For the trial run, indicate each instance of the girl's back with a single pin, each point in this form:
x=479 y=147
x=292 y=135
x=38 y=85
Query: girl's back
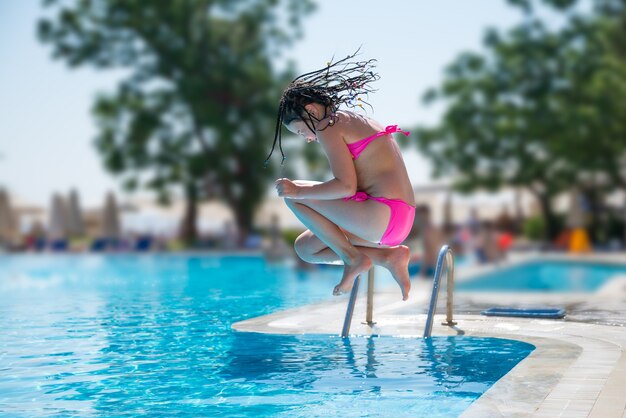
x=380 y=167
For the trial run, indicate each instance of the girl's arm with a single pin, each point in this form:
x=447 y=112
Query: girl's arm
x=344 y=182
x=329 y=190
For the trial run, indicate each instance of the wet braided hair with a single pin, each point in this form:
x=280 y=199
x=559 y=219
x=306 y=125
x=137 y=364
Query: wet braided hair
x=339 y=83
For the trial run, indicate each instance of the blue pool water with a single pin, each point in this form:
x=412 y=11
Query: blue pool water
x=546 y=276
x=87 y=335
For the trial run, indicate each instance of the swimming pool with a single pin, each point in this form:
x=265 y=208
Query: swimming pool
x=98 y=335
x=545 y=276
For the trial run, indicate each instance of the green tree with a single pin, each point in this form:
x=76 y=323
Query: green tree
x=597 y=135
x=538 y=110
x=197 y=110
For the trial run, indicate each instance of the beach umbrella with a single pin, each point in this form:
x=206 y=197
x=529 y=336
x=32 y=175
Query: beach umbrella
x=110 y=218
x=275 y=231
x=275 y=206
x=230 y=235
x=579 y=240
x=575 y=218
x=519 y=212
x=448 y=220
x=473 y=221
x=535 y=209
x=8 y=219
x=57 y=225
x=624 y=212
x=75 y=222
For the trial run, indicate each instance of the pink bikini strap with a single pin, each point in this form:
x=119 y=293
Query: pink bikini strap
x=392 y=129
x=358 y=197
x=357 y=147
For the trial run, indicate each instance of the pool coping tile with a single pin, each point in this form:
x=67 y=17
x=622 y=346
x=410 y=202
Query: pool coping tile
x=586 y=361
x=577 y=369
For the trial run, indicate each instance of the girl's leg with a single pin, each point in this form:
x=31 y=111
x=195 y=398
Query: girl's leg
x=395 y=259
x=354 y=261
x=329 y=219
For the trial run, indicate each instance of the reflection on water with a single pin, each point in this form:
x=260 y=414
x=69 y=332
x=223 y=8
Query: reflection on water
x=407 y=375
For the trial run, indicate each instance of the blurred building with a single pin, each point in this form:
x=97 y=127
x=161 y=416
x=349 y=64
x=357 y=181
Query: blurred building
x=450 y=206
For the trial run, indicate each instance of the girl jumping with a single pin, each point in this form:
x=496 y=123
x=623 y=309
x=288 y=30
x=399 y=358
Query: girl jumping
x=363 y=214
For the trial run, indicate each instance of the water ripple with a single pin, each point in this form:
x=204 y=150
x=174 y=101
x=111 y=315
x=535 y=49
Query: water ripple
x=153 y=336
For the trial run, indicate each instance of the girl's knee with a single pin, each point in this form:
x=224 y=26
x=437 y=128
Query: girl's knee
x=299 y=245
x=303 y=246
x=293 y=205
x=288 y=202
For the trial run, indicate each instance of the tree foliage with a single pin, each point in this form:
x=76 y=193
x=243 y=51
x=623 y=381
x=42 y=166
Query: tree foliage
x=197 y=109
x=540 y=109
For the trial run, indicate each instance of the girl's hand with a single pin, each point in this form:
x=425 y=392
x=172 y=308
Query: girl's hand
x=287 y=188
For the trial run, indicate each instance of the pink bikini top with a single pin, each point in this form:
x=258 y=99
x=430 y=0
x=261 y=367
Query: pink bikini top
x=356 y=148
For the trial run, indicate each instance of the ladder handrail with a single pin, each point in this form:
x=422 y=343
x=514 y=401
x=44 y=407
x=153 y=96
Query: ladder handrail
x=351 y=302
x=445 y=254
x=350 y=310
x=369 y=313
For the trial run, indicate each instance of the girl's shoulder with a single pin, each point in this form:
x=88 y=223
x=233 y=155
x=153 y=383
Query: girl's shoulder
x=354 y=126
x=353 y=118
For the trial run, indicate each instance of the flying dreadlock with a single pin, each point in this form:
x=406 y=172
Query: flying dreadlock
x=341 y=82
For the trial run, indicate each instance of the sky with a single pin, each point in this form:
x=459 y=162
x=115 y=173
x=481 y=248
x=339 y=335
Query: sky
x=46 y=130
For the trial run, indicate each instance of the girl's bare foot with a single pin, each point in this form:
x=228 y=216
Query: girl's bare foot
x=397 y=262
x=350 y=271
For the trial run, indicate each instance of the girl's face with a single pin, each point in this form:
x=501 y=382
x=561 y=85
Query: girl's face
x=298 y=127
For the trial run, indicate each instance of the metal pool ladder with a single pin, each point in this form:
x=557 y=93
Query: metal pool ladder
x=445 y=254
x=370 y=303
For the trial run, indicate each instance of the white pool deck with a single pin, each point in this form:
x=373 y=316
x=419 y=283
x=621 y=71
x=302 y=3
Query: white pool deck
x=577 y=369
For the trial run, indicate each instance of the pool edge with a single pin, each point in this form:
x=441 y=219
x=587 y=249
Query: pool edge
x=575 y=369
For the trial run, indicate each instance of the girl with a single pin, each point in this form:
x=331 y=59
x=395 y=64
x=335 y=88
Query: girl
x=363 y=214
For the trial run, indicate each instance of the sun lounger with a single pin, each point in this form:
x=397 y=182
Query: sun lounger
x=98 y=244
x=143 y=243
x=59 y=245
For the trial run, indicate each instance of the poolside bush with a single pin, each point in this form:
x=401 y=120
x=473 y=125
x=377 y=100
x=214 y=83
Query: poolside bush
x=534 y=228
x=290 y=235
x=612 y=230
x=175 y=245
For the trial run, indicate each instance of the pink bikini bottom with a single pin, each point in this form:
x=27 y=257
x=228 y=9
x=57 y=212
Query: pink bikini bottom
x=400 y=221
